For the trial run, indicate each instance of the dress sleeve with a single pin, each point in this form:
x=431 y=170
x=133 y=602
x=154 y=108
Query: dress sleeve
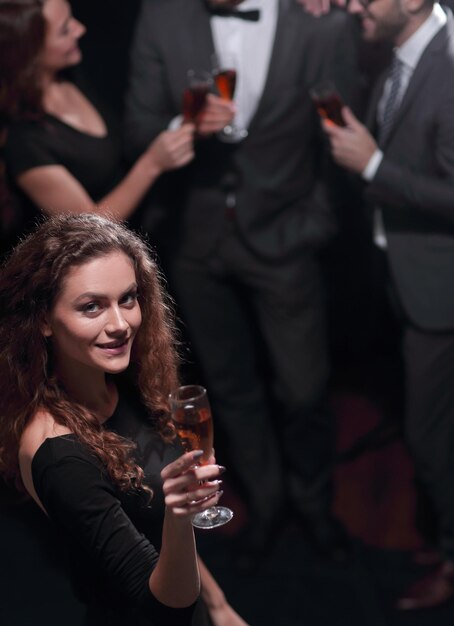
x=82 y=503
x=27 y=146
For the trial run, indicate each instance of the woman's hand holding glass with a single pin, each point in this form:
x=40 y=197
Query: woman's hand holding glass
x=191 y=417
x=190 y=488
x=173 y=149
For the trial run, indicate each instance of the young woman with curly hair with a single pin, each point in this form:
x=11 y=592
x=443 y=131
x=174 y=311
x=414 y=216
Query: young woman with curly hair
x=87 y=361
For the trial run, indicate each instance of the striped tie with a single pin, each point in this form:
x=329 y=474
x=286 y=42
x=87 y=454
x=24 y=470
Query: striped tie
x=393 y=100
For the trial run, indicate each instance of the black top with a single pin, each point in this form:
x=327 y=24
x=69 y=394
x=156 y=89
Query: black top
x=91 y=159
x=94 y=161
x=112 y=536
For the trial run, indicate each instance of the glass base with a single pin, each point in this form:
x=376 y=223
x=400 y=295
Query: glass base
x=212 y=517
x=232 y=134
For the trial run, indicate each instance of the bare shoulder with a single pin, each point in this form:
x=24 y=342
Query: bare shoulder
x=41 y=427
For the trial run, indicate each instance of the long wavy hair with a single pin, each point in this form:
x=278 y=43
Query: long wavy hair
x=22 y=37
x=30 y=282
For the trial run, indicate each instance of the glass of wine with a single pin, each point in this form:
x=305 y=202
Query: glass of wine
x=225 y=76
x=199 y=84
x=191 y=415
x=328 y=102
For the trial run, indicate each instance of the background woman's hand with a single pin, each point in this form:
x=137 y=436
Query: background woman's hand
x=173 y=149
x=190 y=488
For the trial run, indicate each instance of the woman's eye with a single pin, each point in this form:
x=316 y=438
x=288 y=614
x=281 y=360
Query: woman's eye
x=129 y=299
x=91 y=307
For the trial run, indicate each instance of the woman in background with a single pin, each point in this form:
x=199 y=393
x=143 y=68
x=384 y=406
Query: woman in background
x=60 y=148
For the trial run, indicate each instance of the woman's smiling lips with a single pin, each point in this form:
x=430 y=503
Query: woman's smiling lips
x=114 y=347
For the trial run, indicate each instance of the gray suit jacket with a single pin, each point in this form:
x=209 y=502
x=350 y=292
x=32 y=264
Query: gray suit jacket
x=278 y=173
x=414 y=186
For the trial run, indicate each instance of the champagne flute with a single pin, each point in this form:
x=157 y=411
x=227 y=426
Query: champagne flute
x=191 y=416
x=328 y=102
x=198 y=87
x=225 y=76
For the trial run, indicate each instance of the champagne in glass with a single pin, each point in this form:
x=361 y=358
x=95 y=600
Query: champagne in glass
x=191 y=415
x=195 y=94
x=194 y=427
x=328 y=102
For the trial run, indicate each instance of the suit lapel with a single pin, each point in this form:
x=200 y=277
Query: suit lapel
x=197 y=29
x=284 y=45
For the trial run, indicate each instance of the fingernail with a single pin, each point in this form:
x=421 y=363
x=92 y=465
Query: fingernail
x=218 y=482
x=219 y=493
x=197 y=454
x=221 y=469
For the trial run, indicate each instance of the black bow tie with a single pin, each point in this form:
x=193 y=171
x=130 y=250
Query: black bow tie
x=250 y=16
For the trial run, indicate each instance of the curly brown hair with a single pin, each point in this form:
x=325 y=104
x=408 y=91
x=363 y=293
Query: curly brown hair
x=30 y=281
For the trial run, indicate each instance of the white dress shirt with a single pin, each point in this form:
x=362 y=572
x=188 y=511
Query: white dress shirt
x=250 y=45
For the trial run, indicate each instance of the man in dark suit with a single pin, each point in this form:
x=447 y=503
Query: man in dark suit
x=410 y=172
x=239 y=232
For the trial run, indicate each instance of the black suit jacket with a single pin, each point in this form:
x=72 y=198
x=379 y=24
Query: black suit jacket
x=414 y=186
x=278 y=173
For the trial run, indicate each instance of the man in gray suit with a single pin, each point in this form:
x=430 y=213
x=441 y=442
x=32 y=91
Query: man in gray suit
x=239 y=233
x=405 y=153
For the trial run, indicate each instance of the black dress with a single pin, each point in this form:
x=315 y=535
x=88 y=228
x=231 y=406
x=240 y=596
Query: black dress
x=113 y=537
x=94 y=161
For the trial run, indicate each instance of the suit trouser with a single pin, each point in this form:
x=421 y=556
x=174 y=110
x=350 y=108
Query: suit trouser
x=276 y=425
x=429 y=364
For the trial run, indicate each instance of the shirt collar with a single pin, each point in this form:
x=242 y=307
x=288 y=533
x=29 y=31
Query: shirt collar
x=411 y=50
x=248 y=5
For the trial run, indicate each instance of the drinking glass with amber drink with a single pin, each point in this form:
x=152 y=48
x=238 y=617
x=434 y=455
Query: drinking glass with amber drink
x=328 y=102
x=199 y=85
x=225 y=78
x=191 y=416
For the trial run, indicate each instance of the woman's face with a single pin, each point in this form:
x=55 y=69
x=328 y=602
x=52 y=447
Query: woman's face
x=96 y=316
x=61 y=48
